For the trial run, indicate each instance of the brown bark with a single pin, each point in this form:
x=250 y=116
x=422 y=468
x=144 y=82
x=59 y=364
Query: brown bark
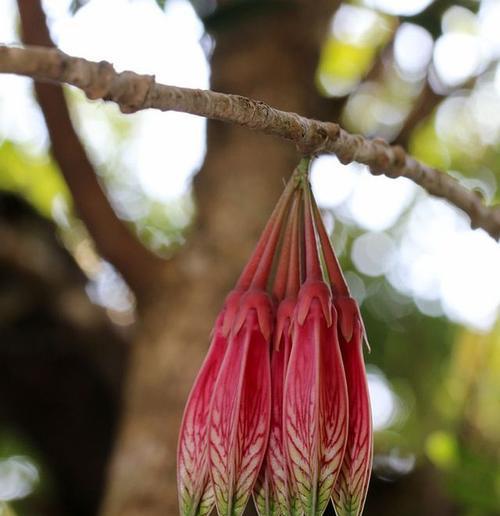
x=139 y=267
x=242 y=177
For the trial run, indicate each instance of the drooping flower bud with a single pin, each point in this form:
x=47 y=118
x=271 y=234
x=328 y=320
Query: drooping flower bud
x=196 y=497
x=315 y=399
x=196 y=494
x=352 y=485
x=280 y=406
x=273 y=493
x=240 y=412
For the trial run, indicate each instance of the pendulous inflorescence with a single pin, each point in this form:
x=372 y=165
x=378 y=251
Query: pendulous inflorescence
x=280 y=408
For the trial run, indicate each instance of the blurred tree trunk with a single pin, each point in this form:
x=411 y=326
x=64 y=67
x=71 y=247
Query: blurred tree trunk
x=61 y=361
x=272 y=58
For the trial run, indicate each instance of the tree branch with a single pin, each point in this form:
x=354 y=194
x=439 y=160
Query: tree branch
x=133 y=92
x=113 y=239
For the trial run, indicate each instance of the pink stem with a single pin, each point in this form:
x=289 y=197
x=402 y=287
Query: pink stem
x=293 y=277
x=269 y=236
x=313 y=268
x=282 y=272
x=335 y=275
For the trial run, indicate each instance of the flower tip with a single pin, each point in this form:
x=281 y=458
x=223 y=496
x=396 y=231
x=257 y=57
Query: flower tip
x=347 y=328
x=283 y=320
x=230 y=310
x=349 y=315
x=309 y=291
x=365 y=339
x=259 y=301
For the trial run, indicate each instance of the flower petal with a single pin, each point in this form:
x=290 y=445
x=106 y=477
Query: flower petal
x=352 y=485
x=240 y=413
x=272 y=477
x=315 y=402
x=273 y=492
x=195 y=493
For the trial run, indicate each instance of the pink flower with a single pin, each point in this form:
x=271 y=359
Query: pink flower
x=196 y=495
x=225 y=427
x=273 y=493
x=280 y=406
x=352 y=485
x=315 y=400
x=241 y=405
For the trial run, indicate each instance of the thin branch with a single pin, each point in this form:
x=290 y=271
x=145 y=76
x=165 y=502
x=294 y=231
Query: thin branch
x=113 y=239
x=133 y=92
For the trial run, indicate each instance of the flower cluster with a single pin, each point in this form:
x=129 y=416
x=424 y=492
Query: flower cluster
x=280 y=407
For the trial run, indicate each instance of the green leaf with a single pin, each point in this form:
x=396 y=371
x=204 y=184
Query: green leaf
x=161 y=4
x=76 y=5
x=34 y=177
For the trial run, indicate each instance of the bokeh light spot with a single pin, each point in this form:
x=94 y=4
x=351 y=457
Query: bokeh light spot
x=331 y=181
x=382 y=399
x=18 y=478
x=373 y=253
x=456 y=57
x=442 y=449
x=413 y=49
x=401 y=7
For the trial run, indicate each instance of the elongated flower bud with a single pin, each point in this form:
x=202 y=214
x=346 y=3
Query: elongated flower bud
x=196 y=494
x=352 y=485
x=273 y=492
x=240 y=412
x=280 y=406
x=241 y=405
x=315 y=400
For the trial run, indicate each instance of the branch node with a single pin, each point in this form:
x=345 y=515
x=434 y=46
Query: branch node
x=347 y=152
x=381 y=162
x=398 y=159
x=332 y=130
x=102 y=78
x=131 y=91
x=312 y=139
